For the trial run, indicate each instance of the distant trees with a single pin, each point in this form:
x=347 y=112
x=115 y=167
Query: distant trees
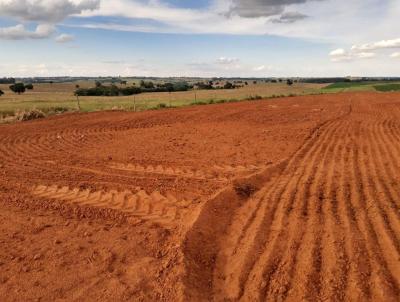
x=18 y=88
x=114 y=90
x=289 y=82
x=204 y=86
x=7 y=81
x=29 y=86
x=229 y=85
x=147 y=85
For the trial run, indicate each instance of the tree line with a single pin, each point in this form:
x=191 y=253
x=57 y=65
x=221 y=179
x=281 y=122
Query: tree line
x=113 y=90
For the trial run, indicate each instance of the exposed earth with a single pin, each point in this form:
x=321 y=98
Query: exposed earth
x=292 y=199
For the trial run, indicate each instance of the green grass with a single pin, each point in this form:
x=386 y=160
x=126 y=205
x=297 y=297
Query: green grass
x=388 y=87
x=361 y=86
x=344 y=85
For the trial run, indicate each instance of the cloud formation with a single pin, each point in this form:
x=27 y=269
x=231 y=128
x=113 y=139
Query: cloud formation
x=227 y=61
x=340 y=55
x=45 y=11
x=394 y=43
x=64 y=38
x=261 y=8
x=19 y=32
x=290 y=17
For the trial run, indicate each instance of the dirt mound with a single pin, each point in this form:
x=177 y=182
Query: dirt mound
x=294 y=199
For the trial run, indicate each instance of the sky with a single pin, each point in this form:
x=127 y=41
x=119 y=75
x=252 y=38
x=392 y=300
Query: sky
x=205 y=38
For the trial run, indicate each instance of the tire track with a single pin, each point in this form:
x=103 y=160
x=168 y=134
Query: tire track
x=326 y=227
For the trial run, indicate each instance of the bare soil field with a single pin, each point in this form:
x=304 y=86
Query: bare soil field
x=295 y=199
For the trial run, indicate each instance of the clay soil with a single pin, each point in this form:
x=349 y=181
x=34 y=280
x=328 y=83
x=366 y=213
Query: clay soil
x=294 y=199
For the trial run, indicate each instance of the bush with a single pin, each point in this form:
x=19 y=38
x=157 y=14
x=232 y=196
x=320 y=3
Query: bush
x=1 y=92
x=161 y=106
x=254 y=98
x=55 y=110
x=229 y=85
x=29 y=86
x=18 y=88
x=199 y=103
x=29 y=115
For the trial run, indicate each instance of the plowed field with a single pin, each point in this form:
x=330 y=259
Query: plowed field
x=296 y=199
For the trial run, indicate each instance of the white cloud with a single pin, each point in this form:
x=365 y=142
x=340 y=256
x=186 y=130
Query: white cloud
x=261 y=8
x=64 y=38
x=395 y=55
x=227 y=61
x=45 y=11
x=259 y=68
x=290 y=17
x=19 y=32
x=340 y=55
x=394 y=43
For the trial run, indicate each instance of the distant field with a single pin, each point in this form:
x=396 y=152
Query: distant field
x=60 y=97
x=362 y=86
x=388 y=87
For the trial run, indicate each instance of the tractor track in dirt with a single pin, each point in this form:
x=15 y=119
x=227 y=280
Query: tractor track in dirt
x=326 y=227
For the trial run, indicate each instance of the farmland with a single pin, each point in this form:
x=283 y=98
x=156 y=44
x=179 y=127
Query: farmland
x=284 y=199
x=362 y=86
x=60 y=96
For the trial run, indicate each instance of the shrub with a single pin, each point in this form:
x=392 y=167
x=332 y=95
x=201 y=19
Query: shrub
x=29 y=86
x=199 y=103
x=1 y=92
x=18 y=88
x=229 y=85
x=29 y=115
x=161 y=106
x=254 y=98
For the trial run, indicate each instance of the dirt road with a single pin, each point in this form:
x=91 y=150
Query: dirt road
x=286 y=200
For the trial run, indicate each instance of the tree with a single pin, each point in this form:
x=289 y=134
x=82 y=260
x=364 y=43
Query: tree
x=18 y=88
x=29 y=86
x=147 y=85
x=229 y=85
x=1 y=92
x=289 y=82
x=98 y=84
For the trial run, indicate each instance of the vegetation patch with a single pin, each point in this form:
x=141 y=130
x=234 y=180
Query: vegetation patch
x=388 y=87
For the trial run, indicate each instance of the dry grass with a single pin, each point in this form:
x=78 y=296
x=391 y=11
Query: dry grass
x=46 y=97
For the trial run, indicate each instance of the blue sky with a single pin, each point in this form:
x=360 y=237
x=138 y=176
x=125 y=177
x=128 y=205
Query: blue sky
x=259 y=38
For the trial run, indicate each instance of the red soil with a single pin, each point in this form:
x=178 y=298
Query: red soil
x=292 y=199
